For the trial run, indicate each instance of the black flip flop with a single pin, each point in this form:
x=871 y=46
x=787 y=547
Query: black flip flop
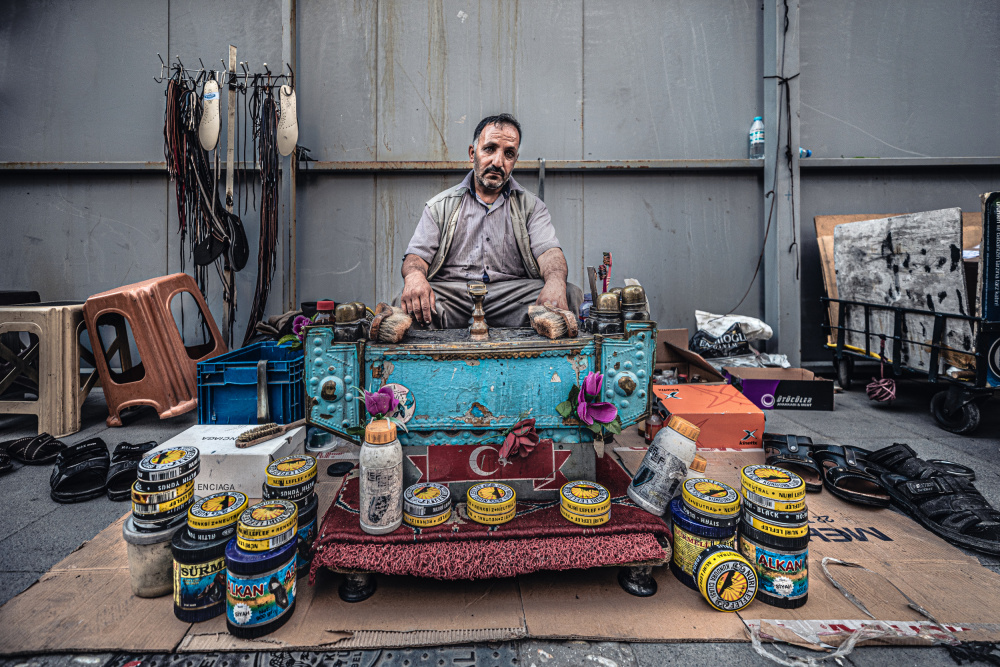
x=81 y=472
x=900 y=458
x=791 y=452
x=39 y=450
x=5 y=465
x=848 y=475
x=122 y=472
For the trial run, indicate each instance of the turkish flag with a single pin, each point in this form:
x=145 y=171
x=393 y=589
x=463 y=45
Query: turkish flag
x=481 y=463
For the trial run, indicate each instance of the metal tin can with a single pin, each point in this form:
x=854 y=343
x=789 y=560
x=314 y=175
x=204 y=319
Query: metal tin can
x=783 y=575
x=585 y=498
x=725 y=578
x=426 y=500
x=691 y=538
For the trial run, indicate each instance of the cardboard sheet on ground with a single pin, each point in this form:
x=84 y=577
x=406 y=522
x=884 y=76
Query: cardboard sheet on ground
x=84 y=602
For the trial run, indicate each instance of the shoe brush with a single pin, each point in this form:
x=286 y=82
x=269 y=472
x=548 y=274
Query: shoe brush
x=553 y=322
x=390 y=324
x=264 y=432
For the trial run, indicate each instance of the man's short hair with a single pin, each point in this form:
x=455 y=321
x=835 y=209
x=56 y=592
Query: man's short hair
x=499 y=120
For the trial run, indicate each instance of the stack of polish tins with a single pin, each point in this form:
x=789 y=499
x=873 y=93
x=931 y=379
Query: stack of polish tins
x=774 y=533
x=491 y=503
x=164 y=488
x=272 y=544
x=706 y=520
x=585 y=503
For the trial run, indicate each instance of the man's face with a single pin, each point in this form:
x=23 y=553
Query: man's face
x=494 y=155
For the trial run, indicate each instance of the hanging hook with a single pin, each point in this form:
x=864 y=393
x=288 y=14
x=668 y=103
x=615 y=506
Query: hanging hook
x=163 y=65
x=293 y=74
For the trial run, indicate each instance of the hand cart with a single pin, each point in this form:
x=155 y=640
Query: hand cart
x=957 y=407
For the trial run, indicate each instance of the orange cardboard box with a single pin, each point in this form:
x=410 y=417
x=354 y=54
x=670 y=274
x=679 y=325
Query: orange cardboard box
x=727 y=419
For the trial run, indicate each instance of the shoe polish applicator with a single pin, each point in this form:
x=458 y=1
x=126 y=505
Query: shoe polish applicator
x=288 y=126
x=208 y=128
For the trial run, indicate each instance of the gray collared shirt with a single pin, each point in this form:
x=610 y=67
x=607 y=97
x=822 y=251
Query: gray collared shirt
x=484 y=238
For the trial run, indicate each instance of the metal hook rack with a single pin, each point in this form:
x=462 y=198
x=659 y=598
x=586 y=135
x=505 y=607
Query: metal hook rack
x=223 y=76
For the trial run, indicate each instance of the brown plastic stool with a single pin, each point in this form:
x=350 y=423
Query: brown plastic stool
x=48 y=366
x=166 y=375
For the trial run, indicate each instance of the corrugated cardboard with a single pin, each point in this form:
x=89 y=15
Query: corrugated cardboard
x=782 y=388
x=224 y=466
x=726 y=418
x=672 y=352
x=84 y=603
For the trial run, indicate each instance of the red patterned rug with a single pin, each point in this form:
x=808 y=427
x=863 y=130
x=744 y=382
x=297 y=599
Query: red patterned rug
x=538 y=538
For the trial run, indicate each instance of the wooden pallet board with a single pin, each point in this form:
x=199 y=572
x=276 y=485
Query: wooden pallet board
x=912 y=261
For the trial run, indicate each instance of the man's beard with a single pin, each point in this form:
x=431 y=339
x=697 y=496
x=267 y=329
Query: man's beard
x=480 y=175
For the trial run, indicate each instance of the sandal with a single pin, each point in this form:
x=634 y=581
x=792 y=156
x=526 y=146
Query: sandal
x=5 y=465
x=848 y=475
x=949 y=506
x=36 y=451
x=81 y=472
x=122 y=472
x=902 y=460
x=791 y=452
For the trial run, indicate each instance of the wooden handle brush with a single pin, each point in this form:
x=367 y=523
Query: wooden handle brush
x=553 y=322
x=390 y=324
x=264 y=432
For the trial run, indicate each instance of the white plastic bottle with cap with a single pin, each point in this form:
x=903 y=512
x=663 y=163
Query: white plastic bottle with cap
x=381 y=462
x=665 y=466
x=757 y=138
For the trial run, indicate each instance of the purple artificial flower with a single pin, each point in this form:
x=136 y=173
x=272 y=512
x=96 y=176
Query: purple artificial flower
x=297 y=324
x=382 y=403
x=599 y=411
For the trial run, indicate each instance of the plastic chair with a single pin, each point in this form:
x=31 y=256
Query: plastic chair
x=166 y=376
x=48 y=365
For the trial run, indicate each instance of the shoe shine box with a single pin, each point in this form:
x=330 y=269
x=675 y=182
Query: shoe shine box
x=727 y=419
x=225 y=467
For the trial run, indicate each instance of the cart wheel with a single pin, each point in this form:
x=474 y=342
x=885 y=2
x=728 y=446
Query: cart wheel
x=963 y=421
x=845 y=369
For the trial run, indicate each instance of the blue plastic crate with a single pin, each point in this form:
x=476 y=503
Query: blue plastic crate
x=227 y=385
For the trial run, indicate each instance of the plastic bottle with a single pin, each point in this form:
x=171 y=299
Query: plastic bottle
x=381 y=460
x=324 y=312
x=757 y=138
x=665 y=466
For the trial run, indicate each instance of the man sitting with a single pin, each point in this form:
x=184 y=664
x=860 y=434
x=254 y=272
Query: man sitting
x=486 y=228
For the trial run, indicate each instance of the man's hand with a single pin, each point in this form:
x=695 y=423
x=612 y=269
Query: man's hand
x=417 y=297
x=552 y=266
x=553 y=294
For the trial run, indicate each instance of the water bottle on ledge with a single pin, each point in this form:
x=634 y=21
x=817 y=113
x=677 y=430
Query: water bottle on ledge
x=757 y=138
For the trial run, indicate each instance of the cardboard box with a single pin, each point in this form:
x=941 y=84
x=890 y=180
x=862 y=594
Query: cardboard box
x=672 y=353
x=782 y=388
x=224 y=467
x=728 y=421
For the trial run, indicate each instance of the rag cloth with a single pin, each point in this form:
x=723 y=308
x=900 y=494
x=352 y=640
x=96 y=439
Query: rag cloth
x=537 y=538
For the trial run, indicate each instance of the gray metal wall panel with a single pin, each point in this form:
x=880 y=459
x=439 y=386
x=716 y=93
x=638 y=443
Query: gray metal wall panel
x=70 y=236
x=833 y=192
x=335 y=86
x=674 y=79
x=900 y=78
x=77 y=80
x=336 y=238
x=691 y=240
x=444 y=65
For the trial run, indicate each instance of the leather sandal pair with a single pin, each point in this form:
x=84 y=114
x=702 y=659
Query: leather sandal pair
x=940 y=495
x=80 y=472
x=122 y=472
x=844 y=471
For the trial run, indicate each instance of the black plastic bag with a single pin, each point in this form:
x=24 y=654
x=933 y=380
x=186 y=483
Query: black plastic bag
x=730 y=344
